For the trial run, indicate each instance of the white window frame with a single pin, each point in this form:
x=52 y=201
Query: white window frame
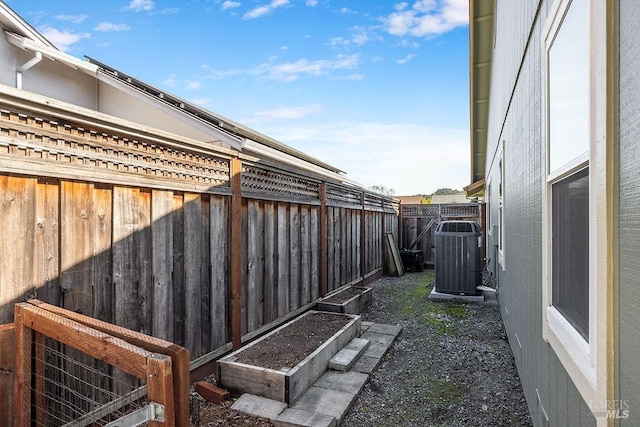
x=501 y=223
x=585 y=361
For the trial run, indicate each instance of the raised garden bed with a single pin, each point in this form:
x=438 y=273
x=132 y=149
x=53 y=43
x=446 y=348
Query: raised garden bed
x=351 y=300
x=287 y=361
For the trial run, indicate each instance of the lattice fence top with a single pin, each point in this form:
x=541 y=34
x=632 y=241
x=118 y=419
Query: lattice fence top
x=420 y=210
x=69 y=146
x=278 y=183
x=470 y=210
x=55 y=142
x=343 y=196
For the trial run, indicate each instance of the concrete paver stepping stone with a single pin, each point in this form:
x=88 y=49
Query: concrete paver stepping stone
x=259 y=406
x=299 y=418
x=348 y=382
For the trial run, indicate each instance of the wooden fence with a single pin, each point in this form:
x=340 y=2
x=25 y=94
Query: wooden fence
x=168 y=236
x=71 y=369
x=419 y=222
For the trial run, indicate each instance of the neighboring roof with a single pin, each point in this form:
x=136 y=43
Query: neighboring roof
x=14 y=22
x=475 y=189
x=481 y=21
x=410 y=200
x=22 y=35
x=231 y=128
x=445 y=199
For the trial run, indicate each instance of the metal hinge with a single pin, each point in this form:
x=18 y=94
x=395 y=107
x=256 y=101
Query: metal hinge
x=152 y=412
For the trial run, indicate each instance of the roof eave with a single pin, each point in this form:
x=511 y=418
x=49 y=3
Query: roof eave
x=13 y=22
x=481 y=38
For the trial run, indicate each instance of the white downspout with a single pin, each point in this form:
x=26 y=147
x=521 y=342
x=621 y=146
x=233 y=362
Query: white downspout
x=27 y=65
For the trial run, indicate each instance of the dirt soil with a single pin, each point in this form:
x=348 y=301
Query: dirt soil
x=291 y=345
x=344 y=296
x=450 y=366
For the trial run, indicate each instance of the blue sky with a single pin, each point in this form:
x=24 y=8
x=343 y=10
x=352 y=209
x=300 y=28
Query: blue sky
x=377 y=88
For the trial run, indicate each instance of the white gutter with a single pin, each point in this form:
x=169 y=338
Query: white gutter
x=50 y=53
x=26 y=66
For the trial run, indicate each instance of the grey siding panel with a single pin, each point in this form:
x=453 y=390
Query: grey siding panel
x=629 y=286
x=516 y=121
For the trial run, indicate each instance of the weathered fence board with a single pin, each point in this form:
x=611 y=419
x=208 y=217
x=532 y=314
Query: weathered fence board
x=162 y=268
x=219 y=237
x=255 y=265
x=205 y=275
x=270 y=278
x=294 y=258
x=193 y=220
x=46 y=261
x=131 y=258
x=17 y=211
x=331 y=248
x=283 y=260
x=305 y=253
x=178 y=268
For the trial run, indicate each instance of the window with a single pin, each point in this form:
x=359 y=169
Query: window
x=570 y=249
x=576 y=284
x=501 y=234
x=568 y=172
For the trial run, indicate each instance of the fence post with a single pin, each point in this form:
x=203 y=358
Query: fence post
x=235 y=253
x=160 y=387
x=400 y=234
x=21 y=370
x=323 y=238
x=363 y=239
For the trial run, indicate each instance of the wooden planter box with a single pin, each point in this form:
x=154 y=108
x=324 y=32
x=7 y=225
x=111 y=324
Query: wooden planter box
x=353 y=305
x=285 y=386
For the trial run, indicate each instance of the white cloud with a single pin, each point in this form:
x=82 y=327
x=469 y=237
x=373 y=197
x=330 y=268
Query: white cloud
x=311 y=2
x=63 y=40
x=376 y=153
x=228 y=4
x=287 y=112
x=290 y=71
x=264 y=10
x=405 y=59
x=76 y=19
x=171 y=82
x=425 y=6
x=193 y=85
x=215 y=74
x=140 y=5
x=110 y=26
x=359 y=36
x=427 y=18
x=338 y=41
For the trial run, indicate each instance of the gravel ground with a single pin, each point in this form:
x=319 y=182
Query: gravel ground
x=450 y=366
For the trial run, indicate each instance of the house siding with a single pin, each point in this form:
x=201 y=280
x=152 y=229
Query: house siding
x=628 y=335
x=118 y=103
x=515 y=131
x=47 y=77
